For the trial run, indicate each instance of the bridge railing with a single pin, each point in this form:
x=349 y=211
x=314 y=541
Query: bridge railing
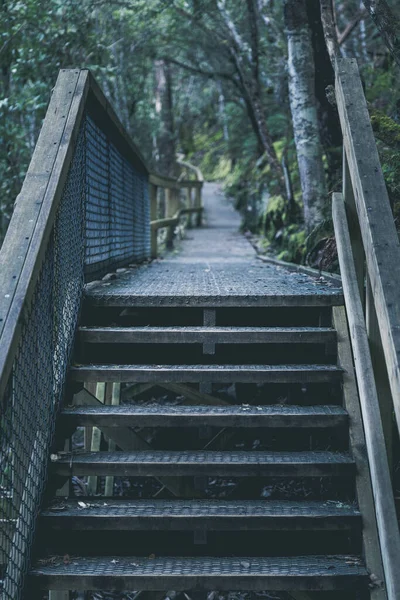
x=181 y=199
x=83 y=211
x=369 y=257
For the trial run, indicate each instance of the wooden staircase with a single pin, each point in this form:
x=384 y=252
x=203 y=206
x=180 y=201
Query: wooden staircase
x=240 y=418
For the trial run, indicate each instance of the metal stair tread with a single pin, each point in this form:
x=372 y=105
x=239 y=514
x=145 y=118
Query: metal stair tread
x=75 y=513
x=193 y=334
x=163 y=415
x=160 y=462
x=160 y=573
x=191 y=373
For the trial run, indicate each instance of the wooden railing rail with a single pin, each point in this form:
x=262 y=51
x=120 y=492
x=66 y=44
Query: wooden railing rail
x=385 y=510
x=175 y=207
x=373 y=232
x=369 y=258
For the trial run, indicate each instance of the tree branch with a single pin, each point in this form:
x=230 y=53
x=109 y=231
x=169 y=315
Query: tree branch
x=252 y=9
x=12 y=36
x=350 y=27
x=329 y=26
x=199 y=71
x=387 y=23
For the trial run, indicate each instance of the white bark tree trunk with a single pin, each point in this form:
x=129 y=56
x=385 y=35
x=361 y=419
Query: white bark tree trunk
x=304 y=112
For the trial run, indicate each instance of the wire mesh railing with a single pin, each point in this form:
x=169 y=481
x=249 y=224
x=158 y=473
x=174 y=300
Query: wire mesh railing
x=83 y=211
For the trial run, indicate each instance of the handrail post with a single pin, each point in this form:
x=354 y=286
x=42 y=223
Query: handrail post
x=198 y=204
x=189 y=205
x=153 y=217
x=374 y=436
x=172 y=207
x=380 y=373
x=354 y=227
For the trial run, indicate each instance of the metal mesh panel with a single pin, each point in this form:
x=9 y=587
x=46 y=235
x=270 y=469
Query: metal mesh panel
x=37 y=380
x=102 y=222
x=117 y=209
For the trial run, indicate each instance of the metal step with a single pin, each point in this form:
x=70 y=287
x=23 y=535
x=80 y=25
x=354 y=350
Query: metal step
x=212 y=515
x=206 y=373
x=322 y=573
x=159 y=415
x=202 y=335
x=186 y=463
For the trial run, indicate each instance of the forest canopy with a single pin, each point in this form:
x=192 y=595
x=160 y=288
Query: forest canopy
x=241 y=88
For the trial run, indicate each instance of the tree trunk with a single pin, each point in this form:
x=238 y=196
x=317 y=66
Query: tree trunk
x=329 y=125
x=166 y=150
x=251 y=91
x=387 y=23
x=304 y=112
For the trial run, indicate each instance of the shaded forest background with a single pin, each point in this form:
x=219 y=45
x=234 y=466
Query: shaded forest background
x=215 y=81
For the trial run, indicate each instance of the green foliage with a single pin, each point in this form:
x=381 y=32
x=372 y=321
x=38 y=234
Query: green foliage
x=385 y=128
x=294 y=243
x=121 y=43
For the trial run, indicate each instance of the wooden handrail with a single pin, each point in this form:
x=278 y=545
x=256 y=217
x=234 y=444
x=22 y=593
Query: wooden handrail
x=172 y=188
x=371 y=212
x=22 y=253
x=374 y=436
x=188 y=165
x=369 y=251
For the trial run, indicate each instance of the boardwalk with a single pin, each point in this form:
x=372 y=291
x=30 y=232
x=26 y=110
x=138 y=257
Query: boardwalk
x=188 y=371
x=215 y=265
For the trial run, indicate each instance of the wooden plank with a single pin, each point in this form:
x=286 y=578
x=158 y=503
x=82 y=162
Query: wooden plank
x=164 y=182
x=190 y=183
x=189 y=204
x=188 y=165
x=113 y=401
x=167 y=222
x=354 y=228
x=198 y=203
x=153 y=217
x=25 y=243
x=357 y=444
x=380 y=239
x=134 y=390
x=380 y=373
x=374 y=439
x=101 y=389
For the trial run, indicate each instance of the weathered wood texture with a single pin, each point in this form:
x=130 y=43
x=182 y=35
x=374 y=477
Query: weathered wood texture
x=365 y=498
x=380 y=373
x=354 y=228
x=374 y=438
x=174 y=210
x=25 y=243
x=379 y=236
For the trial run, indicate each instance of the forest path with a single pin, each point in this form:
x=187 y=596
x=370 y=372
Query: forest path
x=219 y=240
x=215 y=265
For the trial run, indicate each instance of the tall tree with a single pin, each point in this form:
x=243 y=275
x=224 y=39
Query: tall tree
x=330 y=131
x=166 y=149
x=304 y=112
